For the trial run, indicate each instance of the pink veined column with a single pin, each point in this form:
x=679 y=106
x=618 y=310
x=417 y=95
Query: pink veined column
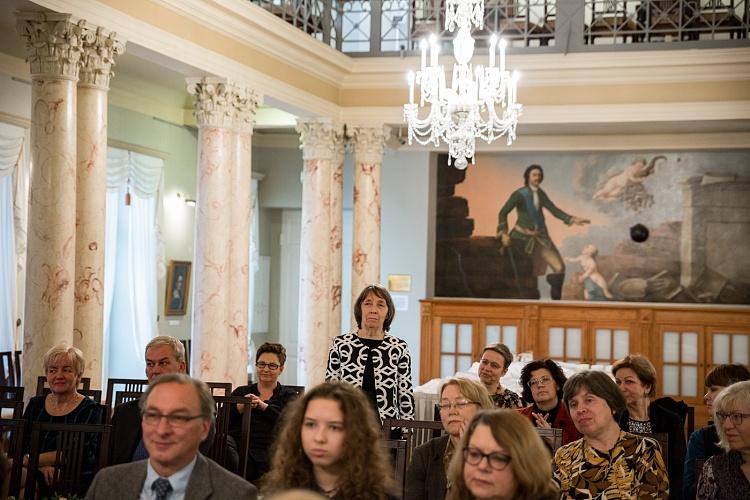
x=335 y=242
x=53 y=44
x=319 y=139
x=214 y=110
x=367 y=145
x=99 y=51
x=245 y=104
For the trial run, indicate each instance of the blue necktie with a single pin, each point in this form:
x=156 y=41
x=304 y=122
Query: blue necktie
x=162 y=487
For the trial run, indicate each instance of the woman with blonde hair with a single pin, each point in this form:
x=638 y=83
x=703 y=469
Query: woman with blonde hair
x=460 y=399
x=330 y=443
x=501 y=457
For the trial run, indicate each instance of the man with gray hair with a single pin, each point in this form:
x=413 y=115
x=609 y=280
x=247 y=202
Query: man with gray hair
x=177 y=413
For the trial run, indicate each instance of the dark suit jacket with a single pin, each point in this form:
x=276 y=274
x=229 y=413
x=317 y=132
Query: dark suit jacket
x=425 y=477
x=562 y=421
x=207 y=481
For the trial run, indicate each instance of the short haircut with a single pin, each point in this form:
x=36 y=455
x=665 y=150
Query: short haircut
x=599 y=384
x=175 y=344
x=738 y=393
x=527 y=173
x=535 y=365
x=503 y=351
x=207 y=406
x=473 y=391
x=63 y=349
x=642 y=367
x=529 y=457
x=272 y=348
x=381 y=292
x=726 y=375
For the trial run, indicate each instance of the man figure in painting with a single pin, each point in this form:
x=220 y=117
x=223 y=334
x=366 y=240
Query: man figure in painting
x=530 y=231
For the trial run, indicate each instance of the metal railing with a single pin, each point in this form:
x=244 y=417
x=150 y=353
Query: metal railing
x=392 y=27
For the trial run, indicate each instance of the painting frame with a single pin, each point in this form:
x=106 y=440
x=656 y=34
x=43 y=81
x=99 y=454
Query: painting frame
x=177 y=289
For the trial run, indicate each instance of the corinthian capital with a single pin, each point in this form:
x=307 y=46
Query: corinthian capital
x=53 y=43
x=246 y=103
x=368 y=144
x=320 y=139
x=213 y=101
x=100 y=47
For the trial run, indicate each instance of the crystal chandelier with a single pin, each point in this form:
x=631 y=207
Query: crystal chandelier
x=481 y=100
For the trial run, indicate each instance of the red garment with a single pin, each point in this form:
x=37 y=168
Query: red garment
x=562 y=421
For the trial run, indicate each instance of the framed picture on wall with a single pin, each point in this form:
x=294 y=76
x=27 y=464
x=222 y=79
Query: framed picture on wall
x=178 y=287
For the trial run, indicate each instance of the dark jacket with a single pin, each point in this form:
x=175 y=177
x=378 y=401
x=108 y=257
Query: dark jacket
x=426 y=476
x=562 y=421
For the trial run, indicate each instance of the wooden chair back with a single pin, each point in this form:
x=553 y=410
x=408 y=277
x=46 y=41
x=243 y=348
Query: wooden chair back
x=17 y=366
x=8 y=393
x=7 y=371
x=663 y=439
x=218 y=452
x=299 y=389
x=41 y=384
x=396 y=449
x=16 y=406
x=95 y=394
x=128 y=385
x=415 y=432
x=220 y=388
x=551 y=437
x=76 y=443
x=13 y=432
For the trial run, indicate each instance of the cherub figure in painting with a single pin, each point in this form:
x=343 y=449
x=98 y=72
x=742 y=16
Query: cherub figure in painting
x=594 y=285
x=627 y=185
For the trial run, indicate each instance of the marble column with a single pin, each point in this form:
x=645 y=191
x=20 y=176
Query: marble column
x=245 y=105
x=53 y=48
x=368 y=144
x=214 y=111
x=99 y=51
x=337 y=226
x=320 y=143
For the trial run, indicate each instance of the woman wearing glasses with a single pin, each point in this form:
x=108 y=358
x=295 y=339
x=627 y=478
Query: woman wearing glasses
x=727 y=476
x=426 y=477
x=501 y=457
x=267 y=399
x=542 y=381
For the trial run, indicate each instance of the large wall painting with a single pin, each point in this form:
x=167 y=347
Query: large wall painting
x=652 y=226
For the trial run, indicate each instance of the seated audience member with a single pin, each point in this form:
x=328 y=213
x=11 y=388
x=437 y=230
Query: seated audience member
x=63 y=367
x=177 y=413
x=460 y=399
x=636 y=378
x=607 y=462
x=704 y=443
x=496 y=358
x=164 y=354
x=329 y=442
x=501 y=456
x=542 y=381
x=727 y=476
x=266 y=400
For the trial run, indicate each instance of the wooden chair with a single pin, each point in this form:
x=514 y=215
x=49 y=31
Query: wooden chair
x=7 y=372
x=95 y=394
x=41 y=384
x=15 y=406
x=8 y=393
x=552 y=438
x=299 y=389
x=218 y=452
x=220 y=386
x=17 y=366
x=397 y=452
x=74 y=441
x=415 y=432
x=663 y=439
x=13 y=430
x=128 y=385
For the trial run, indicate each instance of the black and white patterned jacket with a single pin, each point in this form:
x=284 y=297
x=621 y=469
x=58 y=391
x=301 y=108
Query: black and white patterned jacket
x=346 y=363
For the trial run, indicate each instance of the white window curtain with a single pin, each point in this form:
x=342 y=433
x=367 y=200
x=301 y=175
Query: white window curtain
x=14 y=184
x=133 y=259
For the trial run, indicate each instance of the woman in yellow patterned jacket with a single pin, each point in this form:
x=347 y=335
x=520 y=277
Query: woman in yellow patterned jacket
x=607 y=462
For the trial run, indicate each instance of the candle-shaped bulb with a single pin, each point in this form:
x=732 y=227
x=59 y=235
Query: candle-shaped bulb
x=434 y=50
x=493 y=43
x=410 y=77
x=423 y=48
x=503 y=44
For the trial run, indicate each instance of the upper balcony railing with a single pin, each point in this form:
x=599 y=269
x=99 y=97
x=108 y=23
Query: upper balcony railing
x=391 y=27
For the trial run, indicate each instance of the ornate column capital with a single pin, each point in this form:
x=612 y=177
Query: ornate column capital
x=246 y=103
x=53 y=43
x=320 y=139
x=368 y=143
x=100 y=47
x=213 y=101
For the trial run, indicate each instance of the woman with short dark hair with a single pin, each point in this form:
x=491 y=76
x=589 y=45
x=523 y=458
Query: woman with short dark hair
x=494 y=364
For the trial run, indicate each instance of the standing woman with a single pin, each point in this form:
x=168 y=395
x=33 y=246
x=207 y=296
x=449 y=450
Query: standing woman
x=496 y=359
x=330 y=443
x=377 y=363
x=267 y=400
x=636 y=378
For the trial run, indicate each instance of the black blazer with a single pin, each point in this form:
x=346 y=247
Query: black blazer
x=665 y=421
x=426 y=475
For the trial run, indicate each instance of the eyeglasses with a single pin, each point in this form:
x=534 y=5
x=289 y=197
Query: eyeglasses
x=270 y=366
x=497 y=461
x=459 y=405
x=540 y=381
x=735 y=417
x=173 y=419
x=494 y=365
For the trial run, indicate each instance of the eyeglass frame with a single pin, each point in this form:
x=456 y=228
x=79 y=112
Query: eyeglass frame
x=722 y=417
x=176 y=420
x=544 y=379
x=271 y=366
x=458 y=404
x=504 y=459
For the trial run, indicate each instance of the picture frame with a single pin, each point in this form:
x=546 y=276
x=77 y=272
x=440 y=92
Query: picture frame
x=177 y=287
